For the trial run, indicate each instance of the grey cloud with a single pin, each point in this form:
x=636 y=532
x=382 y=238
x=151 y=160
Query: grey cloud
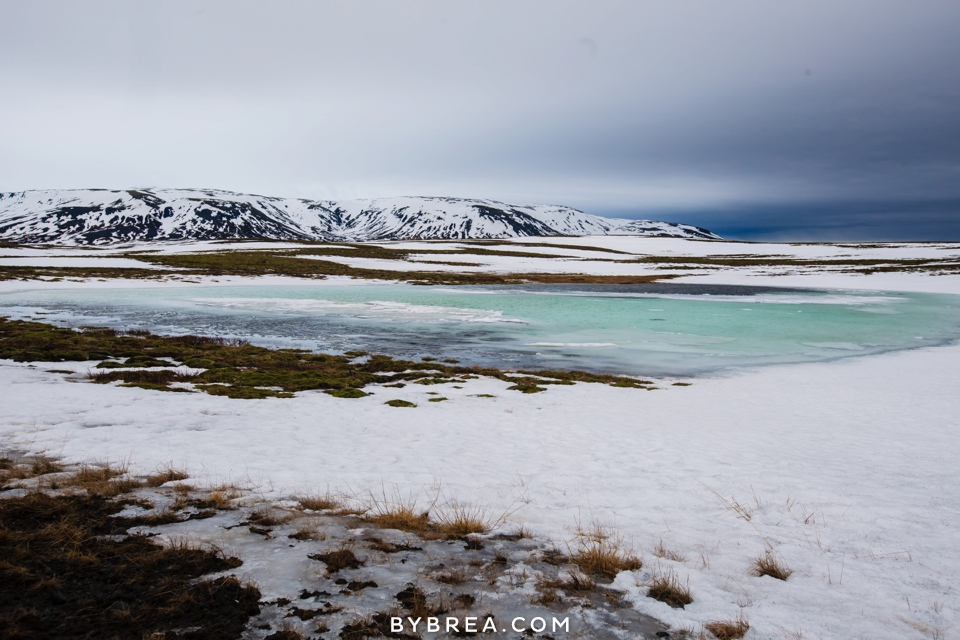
x=679 y=109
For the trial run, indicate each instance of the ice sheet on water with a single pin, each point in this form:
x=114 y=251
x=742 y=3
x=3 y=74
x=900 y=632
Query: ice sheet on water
x=845 y=346
x=585 y=345
x=382 y=309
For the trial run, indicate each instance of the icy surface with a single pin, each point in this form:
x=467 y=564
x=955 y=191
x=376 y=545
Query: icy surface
x=641 y=330
x=492 y=575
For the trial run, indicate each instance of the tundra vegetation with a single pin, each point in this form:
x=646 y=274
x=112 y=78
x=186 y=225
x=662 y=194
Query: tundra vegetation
x=237 y=369
x=320 y=260
x=70 y=568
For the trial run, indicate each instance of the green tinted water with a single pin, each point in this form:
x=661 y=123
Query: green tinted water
x=649 y=329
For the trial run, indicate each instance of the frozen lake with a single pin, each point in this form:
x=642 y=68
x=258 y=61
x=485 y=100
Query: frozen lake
x=655 y=329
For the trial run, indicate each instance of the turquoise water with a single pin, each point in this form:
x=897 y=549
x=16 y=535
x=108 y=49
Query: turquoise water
x=661 y=329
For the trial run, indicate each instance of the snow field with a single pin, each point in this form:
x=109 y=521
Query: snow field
x=844 y=468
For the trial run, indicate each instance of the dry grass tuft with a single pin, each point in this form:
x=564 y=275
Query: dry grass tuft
x=21 y=469
x=220 y=498
x=661 y=551
x=451 y=576
x=102 y=479
x=266 y=517
x=728 y=629
x=417 y=605
x=165 y=475
x=115 y=488
x=376 y=625
x=573 y=582
x=308 y=531
x=383 y=546
x=319 y=502
x=666 y=587
x=401 y=514
x=102 y=376
x=769 y=565
x=336 y=559
x=546 y=595
x=522 y=532
x=601 y=551
x=288 y=631
x=94 y=474
x=42 y=465
x=459 y=520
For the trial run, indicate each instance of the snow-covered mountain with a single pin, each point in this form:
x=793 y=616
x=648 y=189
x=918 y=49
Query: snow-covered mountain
x=102 y=217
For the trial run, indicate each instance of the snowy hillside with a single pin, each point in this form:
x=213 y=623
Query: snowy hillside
x=102 y=217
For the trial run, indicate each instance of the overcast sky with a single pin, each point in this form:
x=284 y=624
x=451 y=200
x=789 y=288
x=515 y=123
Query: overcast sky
x=786 y=120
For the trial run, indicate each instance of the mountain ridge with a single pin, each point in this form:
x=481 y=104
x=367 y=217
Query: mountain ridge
x=106 y=216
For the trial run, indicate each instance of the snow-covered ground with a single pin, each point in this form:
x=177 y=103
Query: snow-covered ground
x=79 y=261
x=580 y=255
x=846 y=469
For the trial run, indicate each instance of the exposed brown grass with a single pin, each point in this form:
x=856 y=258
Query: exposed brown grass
x=769 y=565
x=376 y=625
x=417 y=605
x=573 y=582
x=102 y=479
x=401 y=518
x=94 y=474
x=453 y=519
x=451 y=576
x=383 y=546
x=266 y=517
x=666 y=587
x=288 y=631
x=115 y=488
x=402 y=514
x=741 y=510
x=42 y=465
x=458 y=519
x=63 y=574
x=219 y=498
x=661 y=551
x=601 y=551
x=519 y=532
x=308 y=531
x=728 y=629
x=167 y=516
x=28 y=467
x=164 y=475
x=546 y=595
x=337 y=559
x=320 y=501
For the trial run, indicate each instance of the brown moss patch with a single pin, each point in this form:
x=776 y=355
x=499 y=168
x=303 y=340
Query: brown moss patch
x=236 y=369
x=61 y=578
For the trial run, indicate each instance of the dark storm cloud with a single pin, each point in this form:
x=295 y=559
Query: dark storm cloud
x=812 y=119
